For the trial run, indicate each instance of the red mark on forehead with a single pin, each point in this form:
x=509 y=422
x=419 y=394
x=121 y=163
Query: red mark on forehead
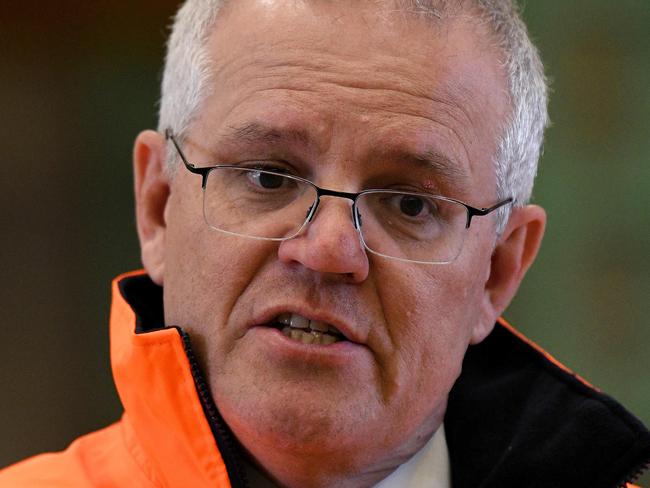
x=429 y=184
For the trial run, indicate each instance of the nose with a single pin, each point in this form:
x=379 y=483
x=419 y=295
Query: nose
x=330 y=243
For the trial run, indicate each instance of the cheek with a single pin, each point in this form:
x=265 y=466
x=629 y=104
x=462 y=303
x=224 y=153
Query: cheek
x=430 y=314
x=205 y=273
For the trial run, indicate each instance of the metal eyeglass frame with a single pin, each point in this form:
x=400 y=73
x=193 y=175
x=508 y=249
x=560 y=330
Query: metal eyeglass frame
x=320 y=192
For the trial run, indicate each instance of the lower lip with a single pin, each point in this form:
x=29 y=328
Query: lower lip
x=278 y=344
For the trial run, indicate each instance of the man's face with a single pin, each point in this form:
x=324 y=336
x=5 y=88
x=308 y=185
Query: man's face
x=350 y=99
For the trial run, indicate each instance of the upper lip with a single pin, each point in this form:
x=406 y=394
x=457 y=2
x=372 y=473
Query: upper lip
x=351 y=333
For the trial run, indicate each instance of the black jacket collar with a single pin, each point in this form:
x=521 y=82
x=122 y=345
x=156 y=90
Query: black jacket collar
x=516 y=418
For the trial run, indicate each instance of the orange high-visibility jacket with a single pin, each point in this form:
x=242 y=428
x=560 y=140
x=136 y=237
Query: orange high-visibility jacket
x=515 y=417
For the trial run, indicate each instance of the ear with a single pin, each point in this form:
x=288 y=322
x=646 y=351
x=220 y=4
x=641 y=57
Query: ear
x=152 y=191
x=514 y=253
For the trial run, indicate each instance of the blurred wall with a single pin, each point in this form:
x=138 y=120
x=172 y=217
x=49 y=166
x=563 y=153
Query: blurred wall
x=77 y=83
x=80 y=79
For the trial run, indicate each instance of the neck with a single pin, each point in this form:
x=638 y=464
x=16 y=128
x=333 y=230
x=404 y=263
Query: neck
x=296 y=473
x=277 y=464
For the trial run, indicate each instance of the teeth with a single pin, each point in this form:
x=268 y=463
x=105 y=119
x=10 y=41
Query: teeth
x=311 y=337
x=298 y=321
x=284 y=318
x=328 y=339
x=307 y=331
x=295 y=334
x=318 y=325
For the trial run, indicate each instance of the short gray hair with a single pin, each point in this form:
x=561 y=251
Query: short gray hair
x=188 y=69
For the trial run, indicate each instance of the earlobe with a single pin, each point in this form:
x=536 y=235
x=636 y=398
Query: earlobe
x=152 y=190
x=513 y=255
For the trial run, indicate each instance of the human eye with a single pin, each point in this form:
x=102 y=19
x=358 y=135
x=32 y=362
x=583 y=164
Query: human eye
x=266 y=175
x=402 y=216
x=267 y=180
x=412 y=207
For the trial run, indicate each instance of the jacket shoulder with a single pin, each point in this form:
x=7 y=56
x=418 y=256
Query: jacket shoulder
x=517 y=413
x=100 y=458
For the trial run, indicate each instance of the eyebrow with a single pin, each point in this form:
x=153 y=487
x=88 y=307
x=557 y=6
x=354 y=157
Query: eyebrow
x=444 y=168
x=257 y=133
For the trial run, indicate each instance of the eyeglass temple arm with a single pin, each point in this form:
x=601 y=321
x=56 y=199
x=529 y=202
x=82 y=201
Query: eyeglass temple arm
x=169 y=136
x=480 y=212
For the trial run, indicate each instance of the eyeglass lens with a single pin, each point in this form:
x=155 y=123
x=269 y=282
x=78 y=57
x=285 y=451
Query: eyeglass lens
x=256 y=203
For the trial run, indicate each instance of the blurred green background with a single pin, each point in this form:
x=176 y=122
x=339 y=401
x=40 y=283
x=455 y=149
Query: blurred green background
x=80 y=79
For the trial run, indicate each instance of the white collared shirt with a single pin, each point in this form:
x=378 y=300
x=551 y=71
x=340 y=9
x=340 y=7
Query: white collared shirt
x=429 y=467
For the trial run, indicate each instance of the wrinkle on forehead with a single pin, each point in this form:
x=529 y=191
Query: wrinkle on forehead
x=389 y=88
x=336 y=59
x=293 y=57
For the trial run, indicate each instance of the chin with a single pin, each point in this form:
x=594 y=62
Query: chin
x=305 y=426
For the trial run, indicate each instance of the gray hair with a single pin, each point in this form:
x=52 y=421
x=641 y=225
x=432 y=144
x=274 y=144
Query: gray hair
x=188 y=69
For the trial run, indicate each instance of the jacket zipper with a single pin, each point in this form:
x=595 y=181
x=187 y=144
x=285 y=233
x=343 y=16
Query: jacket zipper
x=230 y=451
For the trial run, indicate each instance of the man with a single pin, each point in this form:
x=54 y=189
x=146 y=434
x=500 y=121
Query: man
x=333 y=216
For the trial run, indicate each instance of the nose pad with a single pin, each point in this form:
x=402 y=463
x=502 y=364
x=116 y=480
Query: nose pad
x=311 y=211
x=327 y=245
x=356 y=218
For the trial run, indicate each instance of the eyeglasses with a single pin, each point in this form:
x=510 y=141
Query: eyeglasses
x=262 y=202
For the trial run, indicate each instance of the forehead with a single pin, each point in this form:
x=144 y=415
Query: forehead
x=352 y=73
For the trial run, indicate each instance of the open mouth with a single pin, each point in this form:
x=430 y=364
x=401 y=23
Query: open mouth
x=302 y=329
